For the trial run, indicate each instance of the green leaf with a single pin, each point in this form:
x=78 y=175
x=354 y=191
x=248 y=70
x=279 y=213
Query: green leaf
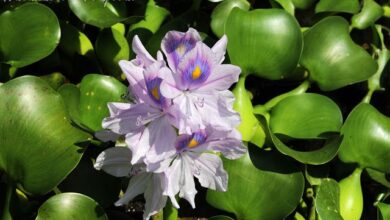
x=370 y=13
x=38 y=147
x=71 y=206
x=55 y=80
x=221 y=13
x=71 y=96
x=74 y=41
x=249 y=176
x=25 y=37
x=328 y=42
x=99 y=13
x=265 y=42
x=366 y=138
x=95 y=92
x=327 y=200
x=303 y=4
x=384 y=211
x=154 y=16
x=349 y=6
x=220 y=217
x=111 y=47
x=98 y=185
x=298 y=116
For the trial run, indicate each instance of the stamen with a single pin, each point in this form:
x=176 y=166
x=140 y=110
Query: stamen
x=192 y=143
x=196 y=73
x=155 y=93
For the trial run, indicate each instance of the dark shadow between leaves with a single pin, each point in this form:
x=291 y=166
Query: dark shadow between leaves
x=272 y=160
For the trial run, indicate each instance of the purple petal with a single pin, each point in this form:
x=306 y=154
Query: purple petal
x=195 y=67
x=162 y=140
x=138 y=142
x=187 y=142
x=208 y=168
x=115 y=161
x=187 y=189
x=131 y=119
x=222 y=78
x=173 y=176
x=219 y=49
x=176 y=44
x=141 y=52
x=135 y=77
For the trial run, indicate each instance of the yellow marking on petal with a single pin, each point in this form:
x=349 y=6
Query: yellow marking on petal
x=193 y=143
x=181 y=49
x=196 y=73
x=155 y=93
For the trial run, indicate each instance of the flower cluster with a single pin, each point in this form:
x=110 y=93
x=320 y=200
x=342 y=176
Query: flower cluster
x=180 y=121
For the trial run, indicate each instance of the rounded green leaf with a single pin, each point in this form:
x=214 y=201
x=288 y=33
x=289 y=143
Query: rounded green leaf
x=95 y=92
x=221 y=13
x=249 y=176
x=370 y=13
x=379 y=177
x=71 y=96
x=220 y=217
x=67 y=206
x=298 y=116
x=327 y=200
x=349 y=6
x=25 y=37
x=265 y=42
x=55 y=80
x=351 y=196
x=331 y=56
x=366 y=138
x=38 y=143
x=111 y=47
x=99 y=13
x=302 y=4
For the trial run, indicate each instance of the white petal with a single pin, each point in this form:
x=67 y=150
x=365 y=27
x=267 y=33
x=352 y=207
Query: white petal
x=209 y=170
x=137 y=186
x=107 y=135
x=141 y=52
x=139 y=144
x=187 y=183
x=154 y=198
x=114 y=161
x=172 y=180
x=219 y=49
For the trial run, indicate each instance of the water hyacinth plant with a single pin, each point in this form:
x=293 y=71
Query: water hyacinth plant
x=168 y=128
x=200 y=109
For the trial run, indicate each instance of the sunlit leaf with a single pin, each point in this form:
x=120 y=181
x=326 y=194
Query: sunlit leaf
x=366 y=138
x=71 y=206
x=384 y=211
x=265 y=42
x=38 y=143
x=331 y=56
x=25 y=37
x=74 y=41
x=99 y=13
x=350 y=6
x=370 y=13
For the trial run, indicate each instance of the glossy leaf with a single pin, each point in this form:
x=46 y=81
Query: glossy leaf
x=99 y=13
x=370 y=13
x=55 y=80
x=95 y=92
x=38 y=147
x=220 y=217
x=221 y=13
x=74 y=41
x=111 y=47
x=327 y=200
x=328 y=42
x=265 y=42
x=298 y=116
x=303 y=4
x=350 y=6
x=249 y=176
x=351 y=196
x=366 y=138
x=25 y=37
x=71 y=206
